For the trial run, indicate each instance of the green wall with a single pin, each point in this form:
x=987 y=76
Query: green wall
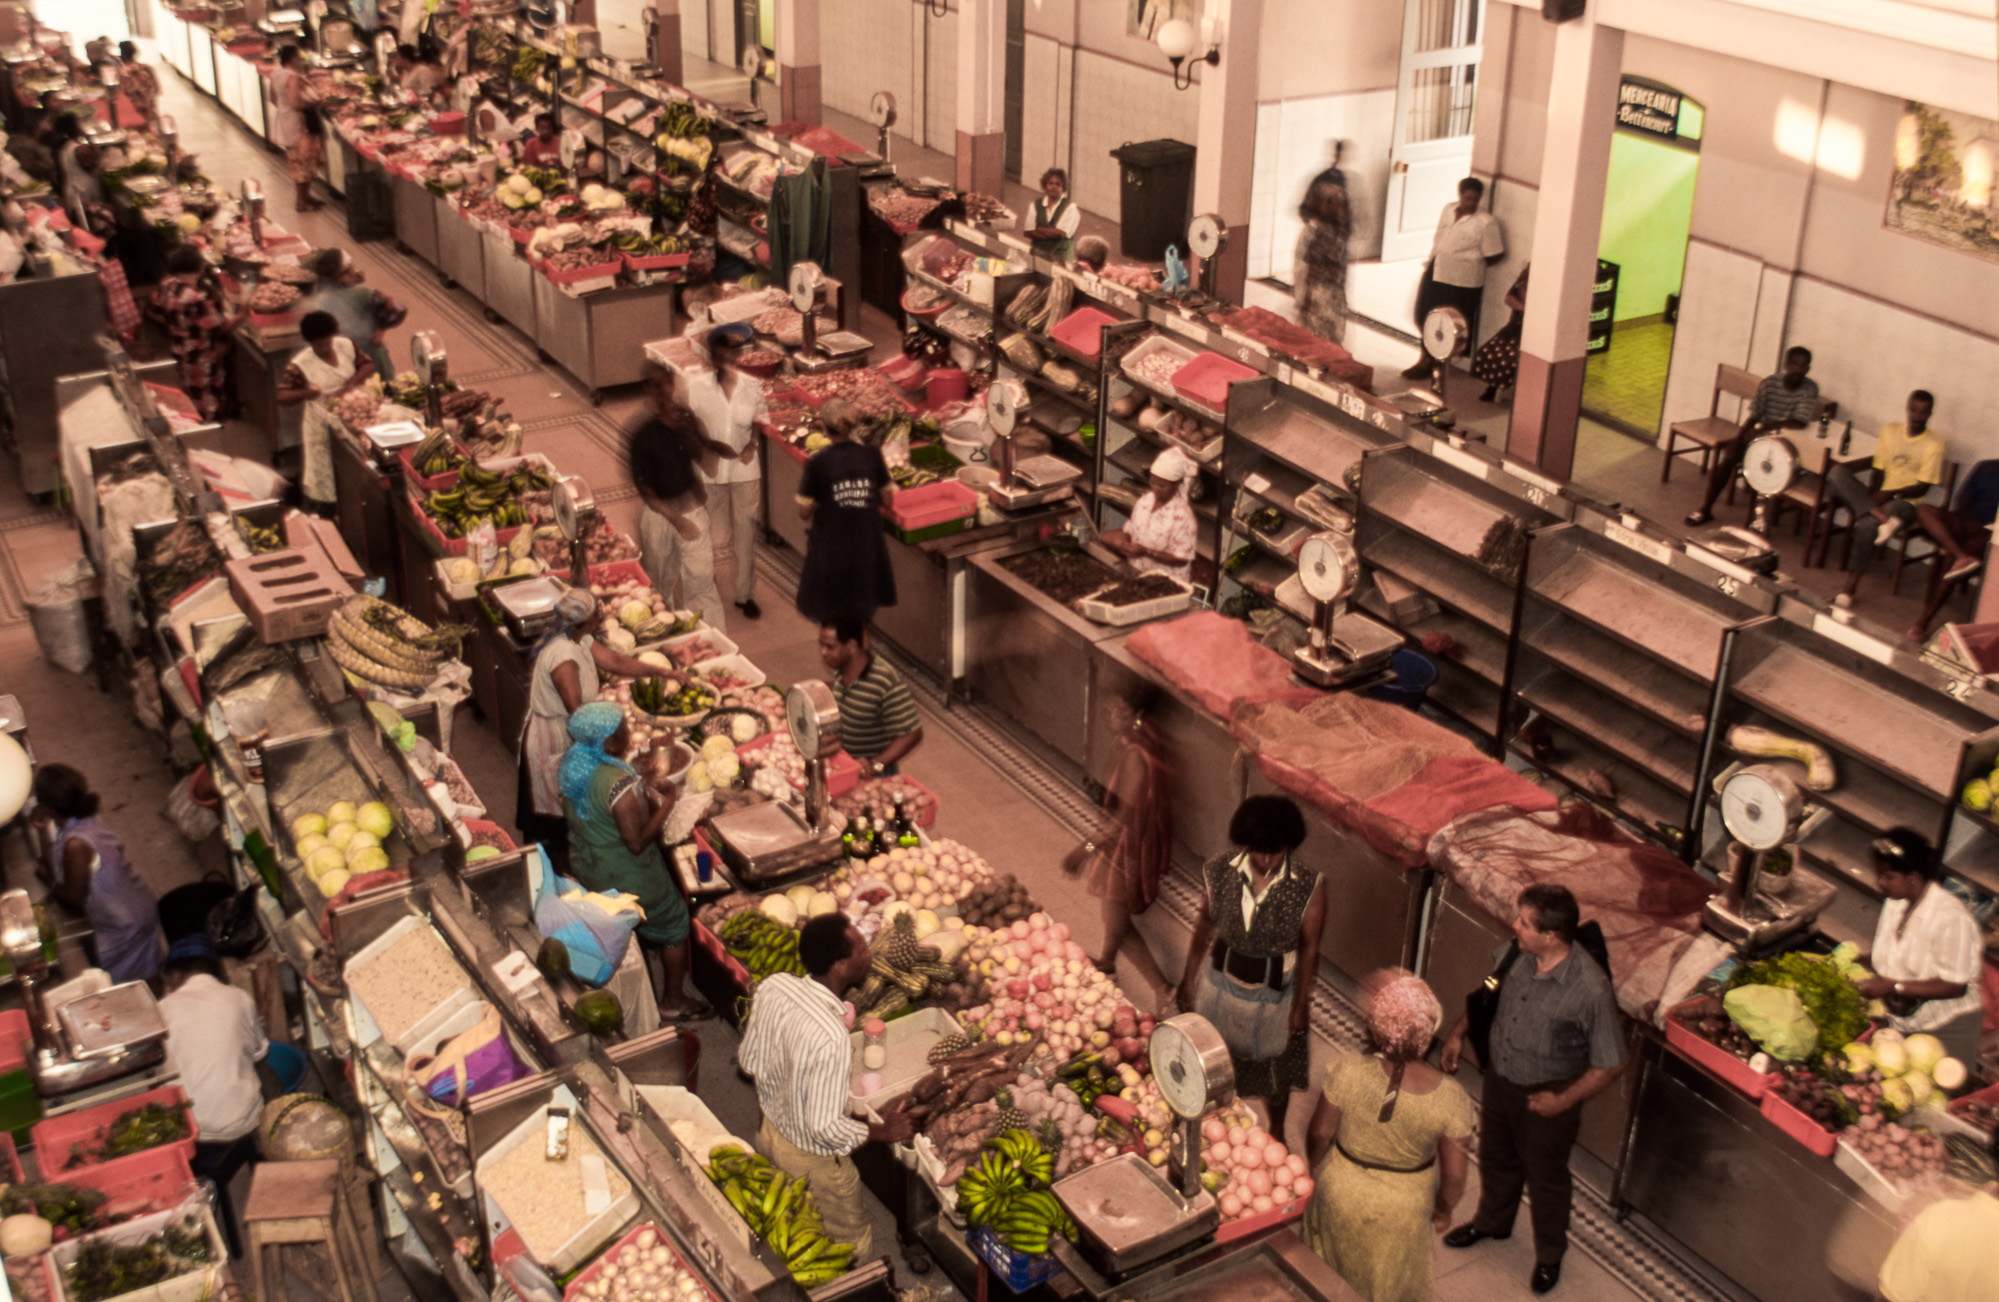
x=767 y=28
x=1648 y=207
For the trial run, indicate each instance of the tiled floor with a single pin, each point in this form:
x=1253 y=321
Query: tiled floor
x=1628 y=383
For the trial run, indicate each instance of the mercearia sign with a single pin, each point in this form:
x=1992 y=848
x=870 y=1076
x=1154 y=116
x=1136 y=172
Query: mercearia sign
x=1650 y=108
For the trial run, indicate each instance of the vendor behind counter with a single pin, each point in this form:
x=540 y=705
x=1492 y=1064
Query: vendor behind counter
x=85 y=867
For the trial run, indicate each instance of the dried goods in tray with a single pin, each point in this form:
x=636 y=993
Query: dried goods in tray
x=407 y=982
x=543 y=1198
x=1063 y=575
x=1143 y=588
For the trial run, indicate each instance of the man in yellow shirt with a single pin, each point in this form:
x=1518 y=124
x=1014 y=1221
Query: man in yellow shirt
x=1945 y=1254
x=1910 y=457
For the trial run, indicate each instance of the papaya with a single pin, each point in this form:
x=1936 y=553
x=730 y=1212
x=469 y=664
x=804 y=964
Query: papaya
x=552 y=958
x=600 y=1013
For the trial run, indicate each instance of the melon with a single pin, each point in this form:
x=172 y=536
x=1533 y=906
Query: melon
x=308 y=825
x=374 y=817
x=334 y=882
x=340 y=811
x=823 y=903
x=307 y=845
x=801 y=898
x=634 y=613
x=340 y=834
x=779 y=909
x=361 y=841
x=593 y=194
x=324 y=860
x=1925 y=1052
x=518 y=184
x=371 y=860
x=463 y=573
x=532 y=197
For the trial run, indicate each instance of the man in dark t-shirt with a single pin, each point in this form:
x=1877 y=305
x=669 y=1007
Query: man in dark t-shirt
x=1963 y=534
x=664 y=454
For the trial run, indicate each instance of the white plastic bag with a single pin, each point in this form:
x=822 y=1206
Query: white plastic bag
x=56 y=609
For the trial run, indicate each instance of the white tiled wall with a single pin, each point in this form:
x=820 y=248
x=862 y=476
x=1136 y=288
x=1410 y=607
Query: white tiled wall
x=1717 y=319
x=1293 y=144
x=940 y=124
x=1117 y=103
x=1044 y=140
x=865 y=46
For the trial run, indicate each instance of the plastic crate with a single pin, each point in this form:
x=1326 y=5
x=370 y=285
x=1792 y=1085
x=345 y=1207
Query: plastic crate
x=1016 y=1270
x=655 y=261
x=1244 y=1226
x=12 y=1154
x=1136 y=612
x=1152 y=347
x=57 y=1137
x=1798 y=1124
x=1207 y=378
x=444 y=546
x=16 y=1040
x=197 y=1285
x=1989 y=1095
x=431 y=483
x=576 y=275
x=1718 y=1061
x=20 y=1106
x=581 y=1281
x=1082 y=331
x=491 y=829
x=932 y=511
x=161 y=1174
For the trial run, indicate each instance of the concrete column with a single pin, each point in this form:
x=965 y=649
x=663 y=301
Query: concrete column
x=665 y=51
x=1568 y=223
x=1226 y=138
x=798 y=60
x=982 y=96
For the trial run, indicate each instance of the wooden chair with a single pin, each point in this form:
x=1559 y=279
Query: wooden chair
x=1805 y=497
x=1712 y=431
x=299 y=1202
x=1912 y=535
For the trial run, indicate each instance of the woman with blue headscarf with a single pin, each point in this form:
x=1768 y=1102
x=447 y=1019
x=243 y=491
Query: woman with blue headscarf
x=614 y=825
x=566 y=666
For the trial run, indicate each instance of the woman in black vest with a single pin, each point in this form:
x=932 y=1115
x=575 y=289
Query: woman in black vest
x=1257 y=944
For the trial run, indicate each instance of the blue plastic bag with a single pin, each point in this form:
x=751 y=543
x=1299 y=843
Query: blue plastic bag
x=596 y=940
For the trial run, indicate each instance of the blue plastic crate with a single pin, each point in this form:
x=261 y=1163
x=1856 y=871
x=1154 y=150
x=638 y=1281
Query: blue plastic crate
x=1016 y=1270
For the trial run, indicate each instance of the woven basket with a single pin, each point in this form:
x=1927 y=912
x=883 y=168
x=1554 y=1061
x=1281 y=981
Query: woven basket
x=292 y=1147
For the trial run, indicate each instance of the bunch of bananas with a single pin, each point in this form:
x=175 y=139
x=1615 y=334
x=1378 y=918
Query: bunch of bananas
x=906 y=476
x=485 y=495
x=261 y=537
x=436 y=455
x=527 y=62
x=1007 y=1192
x=387 y=645
x=681 y=118
x=782 y=1212
x=762 y=944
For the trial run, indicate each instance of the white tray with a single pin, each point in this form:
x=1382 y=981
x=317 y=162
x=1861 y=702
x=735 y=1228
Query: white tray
x=424 y=1031
x=203 y=1282
x=595 y=1232
x=909 y=1042
x=715 y=638
x=739 y=665
x=1156 y=344
x=1136 y=613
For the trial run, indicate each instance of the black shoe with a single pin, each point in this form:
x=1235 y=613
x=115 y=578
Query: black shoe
x=1419 y=371
x=1545 y=1277
x=750 y=609
x=1696 y=519
x=1468 y=1234
x=1491 y=394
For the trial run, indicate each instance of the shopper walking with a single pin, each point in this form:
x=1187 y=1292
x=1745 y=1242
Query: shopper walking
x=567 y=664
x=1051 y=222
x=1927 y=951
x=217 y=1040
x=1319 y=268
x=1391 y=1145
x=76 y=164
x=292 y=131
x=365 y=314
x=1467 y=242
x=1255 y=954
x=328 y=366
x=1124 y=872
x=85 y=867
x=1944 y=1254
x=1910 y=458
x=1556 y=1042
x=614 y=824
x=140 y=85
x=198 y=324
x=878 y=721
x=1497 y=361
x=729 y=403
x=668 y=459
x=1786 y=400
x=796 y=1047
x=841 y=497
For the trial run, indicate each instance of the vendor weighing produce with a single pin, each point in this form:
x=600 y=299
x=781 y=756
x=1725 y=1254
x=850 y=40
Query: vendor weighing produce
x=878 y=720
x=1927 y=952
x=796 y=1046
x=328 y=366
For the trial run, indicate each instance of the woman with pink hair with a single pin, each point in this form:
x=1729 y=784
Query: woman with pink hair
x=1390 y=1146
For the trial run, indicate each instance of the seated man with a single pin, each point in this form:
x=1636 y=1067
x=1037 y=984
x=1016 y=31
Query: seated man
x=1910 y=457
x=1786 y=400
x=878 y=720
x=1963 y=533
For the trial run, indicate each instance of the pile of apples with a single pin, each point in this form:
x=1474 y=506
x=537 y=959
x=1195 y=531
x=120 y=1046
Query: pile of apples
x=1257 y=1171
x=1039 y=983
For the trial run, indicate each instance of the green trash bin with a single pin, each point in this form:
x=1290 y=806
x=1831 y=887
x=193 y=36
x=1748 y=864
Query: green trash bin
x=1156 y=194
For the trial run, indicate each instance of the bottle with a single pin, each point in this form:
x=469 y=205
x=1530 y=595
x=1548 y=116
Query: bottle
x=874 y=1044
x=849 y=844
x=1846 y=440
x=905 y=829
x=1825 y=424
x=864 y=838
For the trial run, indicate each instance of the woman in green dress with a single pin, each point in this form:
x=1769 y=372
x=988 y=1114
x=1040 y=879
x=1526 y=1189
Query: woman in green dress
x=1390 y=1144
x=614 y=825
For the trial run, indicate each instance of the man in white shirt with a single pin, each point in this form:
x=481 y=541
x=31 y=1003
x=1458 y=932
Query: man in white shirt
x=729 y=403
x=217 y=1040
x=796 y=1046
x=1467 y=242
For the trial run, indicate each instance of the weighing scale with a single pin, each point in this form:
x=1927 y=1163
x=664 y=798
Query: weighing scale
x=1446 y=334
x=1207 y=236
x=1763 y=809
x=811 y=287
x=775 y=839
x=752 y=64
x=1130 y=1219
x=1346 y=646
x=1033 y=481
x=881 y=112
x=169 y=134
x=575 y=509
x=428 y=360
x=56 y=1068
x=1769 y=465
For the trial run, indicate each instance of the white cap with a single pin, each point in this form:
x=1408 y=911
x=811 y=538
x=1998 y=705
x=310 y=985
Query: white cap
x=1173 y=464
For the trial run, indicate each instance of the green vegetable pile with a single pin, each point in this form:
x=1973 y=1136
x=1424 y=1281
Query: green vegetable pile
x=1825 y=985
x=107 y=1270
x=136 y=1131
x=66 y=1207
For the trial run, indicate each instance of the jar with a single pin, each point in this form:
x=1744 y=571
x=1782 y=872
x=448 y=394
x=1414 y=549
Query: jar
x=874 y=1044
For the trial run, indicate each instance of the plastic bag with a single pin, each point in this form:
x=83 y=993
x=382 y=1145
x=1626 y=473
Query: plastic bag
x=472 y=1062
x=596 y=940
x=196 y=822
x=1775 y=1018
x=61 y=627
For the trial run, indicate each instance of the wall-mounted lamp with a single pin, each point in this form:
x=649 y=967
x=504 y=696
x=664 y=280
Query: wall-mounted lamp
x=1176 y=41
x=937 y=8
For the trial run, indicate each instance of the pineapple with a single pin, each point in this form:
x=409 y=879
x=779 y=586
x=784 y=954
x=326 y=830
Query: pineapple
x=1010 y=1117
x=1049 y=1134
x=898 y=945
x=949 y=1045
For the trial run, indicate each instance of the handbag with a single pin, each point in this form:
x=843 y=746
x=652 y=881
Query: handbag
x=1482 y=1006
x=473 y=1061
x=235 y=925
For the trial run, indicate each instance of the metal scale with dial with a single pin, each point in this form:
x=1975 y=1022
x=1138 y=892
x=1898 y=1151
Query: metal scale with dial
x=776 y=839
x=575 y=511
x=1207 y=236
x=1769 y=465
x=1446 y=334
x=752 y=64
x=1763 y=809
x=881 y=115
x=1022 y=482
x=428 y=360
x=1347 y=648
x=1132 y=1221
x=835 y=350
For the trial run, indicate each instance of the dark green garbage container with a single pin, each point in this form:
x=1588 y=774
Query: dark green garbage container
x=1157 y=195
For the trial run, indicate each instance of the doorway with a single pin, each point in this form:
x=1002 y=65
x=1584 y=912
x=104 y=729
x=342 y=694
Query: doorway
x=1435 y=95
x=756 y=24
x=1648 y=210
x=1016 y=81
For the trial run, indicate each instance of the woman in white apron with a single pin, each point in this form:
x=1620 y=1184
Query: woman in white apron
x=1052 y=221
x=328 y=365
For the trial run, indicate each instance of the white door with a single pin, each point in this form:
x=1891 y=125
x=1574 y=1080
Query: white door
x=1433 y=120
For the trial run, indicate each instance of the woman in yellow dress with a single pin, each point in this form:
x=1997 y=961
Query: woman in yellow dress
x=1390 y=1146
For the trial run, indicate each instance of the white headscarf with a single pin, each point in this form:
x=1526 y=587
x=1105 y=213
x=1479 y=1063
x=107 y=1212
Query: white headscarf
x=1175 y=465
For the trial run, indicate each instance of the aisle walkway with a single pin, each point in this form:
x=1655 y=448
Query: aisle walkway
x=999 y=794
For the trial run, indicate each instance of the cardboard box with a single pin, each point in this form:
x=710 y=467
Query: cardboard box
x=288 y=594
x=1406 y=603
x=309 y=531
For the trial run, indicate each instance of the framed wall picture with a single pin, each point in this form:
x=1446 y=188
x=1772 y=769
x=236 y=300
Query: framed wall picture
x=1942 y=186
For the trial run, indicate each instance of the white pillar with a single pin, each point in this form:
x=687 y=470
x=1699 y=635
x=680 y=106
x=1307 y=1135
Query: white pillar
x=1225 y=158
x=982 y=96
x=1568 y=226
x=798 y=60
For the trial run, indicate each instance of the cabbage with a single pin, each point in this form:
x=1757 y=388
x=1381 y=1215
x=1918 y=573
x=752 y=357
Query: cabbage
x=779 y=908
x=1925 y=1052
x=716 y=747
x=1775 y=1018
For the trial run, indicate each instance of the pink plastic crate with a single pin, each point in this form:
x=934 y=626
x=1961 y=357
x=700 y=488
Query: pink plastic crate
x=589 y=1273
x=596 y=271
x=932 y=504
x=160 y=1174
x=1207 y=378
x=55 y=1138
x=1787 y=1117
x=1082 y=330
x=843 y=771
x=492 y=829
x=1694 y=1047
x=656 y=261
x=1282 y=1214
x=430 y=483
x=452 y=546
x=16 y=1040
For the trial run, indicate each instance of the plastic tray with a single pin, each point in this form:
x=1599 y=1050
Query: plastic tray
x=56 y=1137
x=1136 y=613
x=16 y=1040
x=423 y=1030
x=1016 y=1270
x=588 y=1274
x=492 y=829
x=576 y=275
x=1798 y=1124
x=162 y=1174
x=428 y=482
x=656 y=261
x=595 y=1231
x=1718 y=1061
x=920 y=508
x=1207 y=378
x=1156 y=344
x=197 y=1285
x=1082 y=330
x=909 y=1040
x=736 y=664
x=722 y=644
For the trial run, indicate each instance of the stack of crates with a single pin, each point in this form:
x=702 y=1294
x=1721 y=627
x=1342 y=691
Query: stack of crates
x=20 y=1106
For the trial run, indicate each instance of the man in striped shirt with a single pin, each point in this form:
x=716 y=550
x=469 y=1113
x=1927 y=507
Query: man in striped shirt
x=796 y=1047
x=1786 y=400
x=878 y=720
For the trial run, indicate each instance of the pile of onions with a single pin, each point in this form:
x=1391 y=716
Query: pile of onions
x=1259 y=1172
x=934 y=876
x=1080 y=1145
x=644 y=1270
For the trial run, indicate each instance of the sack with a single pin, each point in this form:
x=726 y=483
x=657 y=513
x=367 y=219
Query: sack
x=596 y=940
x=472 y=1062
x=235 y=925
x=55 y=608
